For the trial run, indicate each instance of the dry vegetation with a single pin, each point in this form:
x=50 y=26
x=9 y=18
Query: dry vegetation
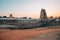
x=29 y=34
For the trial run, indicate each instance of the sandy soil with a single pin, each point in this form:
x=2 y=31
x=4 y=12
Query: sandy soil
x=31 y=34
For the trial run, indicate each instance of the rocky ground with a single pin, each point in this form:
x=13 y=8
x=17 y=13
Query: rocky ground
x=45 y=33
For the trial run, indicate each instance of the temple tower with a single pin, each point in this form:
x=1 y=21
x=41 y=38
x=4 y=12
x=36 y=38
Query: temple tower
x=10 y=16
x=43 y=15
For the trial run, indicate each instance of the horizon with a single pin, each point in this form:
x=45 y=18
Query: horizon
x=29 y=8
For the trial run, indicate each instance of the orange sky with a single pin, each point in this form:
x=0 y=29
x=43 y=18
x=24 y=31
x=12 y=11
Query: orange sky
x=29 y=8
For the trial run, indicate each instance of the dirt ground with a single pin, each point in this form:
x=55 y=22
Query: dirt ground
x=31 y=34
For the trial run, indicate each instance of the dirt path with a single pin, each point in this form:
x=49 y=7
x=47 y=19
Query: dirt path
x=31 y=34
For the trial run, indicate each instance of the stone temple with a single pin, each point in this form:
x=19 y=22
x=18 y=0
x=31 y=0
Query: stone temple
x=43 y=15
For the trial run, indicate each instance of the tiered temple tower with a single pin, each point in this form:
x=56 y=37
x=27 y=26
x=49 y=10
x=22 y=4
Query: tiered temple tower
x=10 y=16
x=43 y=15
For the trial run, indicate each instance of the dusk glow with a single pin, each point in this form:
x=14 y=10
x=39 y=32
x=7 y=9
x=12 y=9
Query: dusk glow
x=29 y=8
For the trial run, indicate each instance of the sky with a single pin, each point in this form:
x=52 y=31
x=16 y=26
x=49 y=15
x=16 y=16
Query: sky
x=29 y=8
